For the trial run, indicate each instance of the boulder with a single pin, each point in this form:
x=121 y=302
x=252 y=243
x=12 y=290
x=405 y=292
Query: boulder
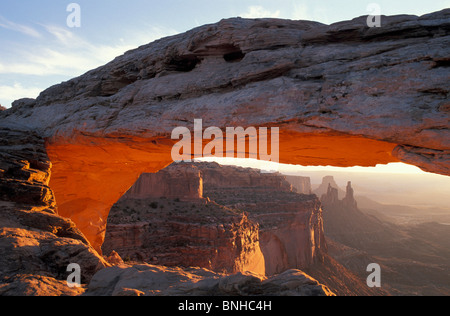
x=150 y=280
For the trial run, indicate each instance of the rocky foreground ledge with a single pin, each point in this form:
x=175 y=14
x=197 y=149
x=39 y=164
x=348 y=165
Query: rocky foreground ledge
x=36 y=244
x=145 y=280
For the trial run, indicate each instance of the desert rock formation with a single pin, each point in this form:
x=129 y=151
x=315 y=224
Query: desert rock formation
x=291 y=227
x=301 y=184
x=414 y=259
x=323 y=188
x=149 y=280
x=172 y=183
x=287 y=227
x=36 y=245
x=177 y=233
x=342 y=94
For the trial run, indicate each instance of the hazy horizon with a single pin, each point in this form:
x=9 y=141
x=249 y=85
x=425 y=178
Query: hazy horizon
x=392 y=184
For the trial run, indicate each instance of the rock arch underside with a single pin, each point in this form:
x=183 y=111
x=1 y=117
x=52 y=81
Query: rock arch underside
x=341 y=94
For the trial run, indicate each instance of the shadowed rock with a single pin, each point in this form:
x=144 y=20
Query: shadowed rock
x=149 y=280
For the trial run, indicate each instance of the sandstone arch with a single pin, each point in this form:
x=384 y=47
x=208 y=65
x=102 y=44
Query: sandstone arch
x=342 y=95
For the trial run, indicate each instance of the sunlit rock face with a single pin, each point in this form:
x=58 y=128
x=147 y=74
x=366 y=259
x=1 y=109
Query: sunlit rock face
x=244 y=220
x=178 y=233
x=291 y=232
x=173 y=183
x=36 y=244
x=164 y=219
x=342 y=95
x=301 y=184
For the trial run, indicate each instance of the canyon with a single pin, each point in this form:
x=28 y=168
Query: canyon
x=414 y=258
x=341 y=95
x=386 y=101
x=241 y=214
x=280 y=230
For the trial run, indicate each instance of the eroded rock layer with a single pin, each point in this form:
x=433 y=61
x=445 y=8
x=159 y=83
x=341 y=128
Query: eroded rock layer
x=282 y=229
x=290 y=224
x=149 y=280
x=175 y=233
x=36 y=244
x=342 y=95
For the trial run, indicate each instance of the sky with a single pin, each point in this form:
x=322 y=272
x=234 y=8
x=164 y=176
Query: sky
x=40 y=49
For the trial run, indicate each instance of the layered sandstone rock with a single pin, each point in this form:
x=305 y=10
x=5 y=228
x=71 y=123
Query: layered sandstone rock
x=36 y=245
x=291 y=226
x=150 y=280
x=171 y=182
x=301 y=184
x=342 y=95
x=178 y=233
x=218 y=176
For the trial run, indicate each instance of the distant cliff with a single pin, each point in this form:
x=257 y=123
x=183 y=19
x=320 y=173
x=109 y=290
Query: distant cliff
x=323 y=187
x=414 y=260
x=285 y=227
x=301 y=184
x=178 y=183
x=230 y=177
x=345 y=223
x=177 y=233
x=291 y=227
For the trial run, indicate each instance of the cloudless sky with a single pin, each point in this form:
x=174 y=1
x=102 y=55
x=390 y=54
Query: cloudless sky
x=38 y=49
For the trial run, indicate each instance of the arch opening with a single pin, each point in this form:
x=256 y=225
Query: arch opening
x=90 y=174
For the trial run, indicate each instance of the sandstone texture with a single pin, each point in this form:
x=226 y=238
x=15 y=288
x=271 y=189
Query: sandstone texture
x=150 y=280
x=36 y=244
x=342 y=94
x=290 y=224
x=387 y=84
x=283 y=229
x=175 y=233
x=230 y=177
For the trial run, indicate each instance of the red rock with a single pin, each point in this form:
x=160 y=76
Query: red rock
x=36 y=244
x=342 y=94
x=172 y=183
x=289 y=231
x=178 y=233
